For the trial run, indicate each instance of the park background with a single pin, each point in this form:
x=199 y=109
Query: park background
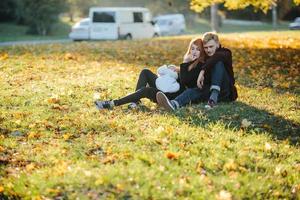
x=41 y=19
x=54 y=144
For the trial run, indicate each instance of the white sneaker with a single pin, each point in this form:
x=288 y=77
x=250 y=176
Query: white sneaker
x=132 y=105
x=164 y=102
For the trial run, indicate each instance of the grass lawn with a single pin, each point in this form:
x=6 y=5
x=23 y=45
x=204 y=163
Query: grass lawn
x=12 y=32
x=55 y=145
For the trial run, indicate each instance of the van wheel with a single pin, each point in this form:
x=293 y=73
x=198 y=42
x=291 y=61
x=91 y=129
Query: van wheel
x=128 y=37
x=155 y=35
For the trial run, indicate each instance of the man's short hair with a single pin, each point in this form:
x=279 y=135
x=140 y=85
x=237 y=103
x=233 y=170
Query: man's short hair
x=210 y=36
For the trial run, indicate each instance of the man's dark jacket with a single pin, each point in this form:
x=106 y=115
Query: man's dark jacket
x=224 y=55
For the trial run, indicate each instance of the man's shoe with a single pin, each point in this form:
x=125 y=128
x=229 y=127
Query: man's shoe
x=164 y=102
x=104 y=105
x=210 y=104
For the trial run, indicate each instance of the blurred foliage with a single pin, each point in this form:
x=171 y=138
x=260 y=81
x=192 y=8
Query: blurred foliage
x=264 y=5
x=40 y=15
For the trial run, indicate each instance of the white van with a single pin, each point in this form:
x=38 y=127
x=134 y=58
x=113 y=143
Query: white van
x=110 y=23
x=171 y=24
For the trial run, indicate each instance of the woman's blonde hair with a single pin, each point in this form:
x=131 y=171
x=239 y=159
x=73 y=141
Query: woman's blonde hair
x=198 y=42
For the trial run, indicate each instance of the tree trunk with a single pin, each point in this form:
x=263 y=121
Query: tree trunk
x=214 y=18
x=71 y=16
x=274 y=16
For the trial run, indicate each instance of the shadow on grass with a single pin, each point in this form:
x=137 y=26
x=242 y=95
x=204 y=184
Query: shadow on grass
x=232 y=114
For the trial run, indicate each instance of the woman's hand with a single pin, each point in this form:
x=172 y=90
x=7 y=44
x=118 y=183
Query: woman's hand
x=200 y=80
x=188 y=58
x=174 y=68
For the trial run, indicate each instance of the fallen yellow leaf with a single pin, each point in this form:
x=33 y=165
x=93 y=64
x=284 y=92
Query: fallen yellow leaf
x=67 y=136
x=266 y=126
x=246 y=123
x=268 y=147
x=30 y=167
x=69 y=56
x=32 y=135
x=224 y=195
x=54 y=99
x=4 y=56
x=230 y=166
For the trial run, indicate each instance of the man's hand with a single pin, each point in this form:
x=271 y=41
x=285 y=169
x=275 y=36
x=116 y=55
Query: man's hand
x=200 y=79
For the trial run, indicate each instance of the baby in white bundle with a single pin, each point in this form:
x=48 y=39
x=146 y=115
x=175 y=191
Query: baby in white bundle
x=167 y=79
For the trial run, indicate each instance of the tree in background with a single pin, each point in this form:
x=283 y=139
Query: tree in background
x=264 y=5
x=157 y=7
x=7 y=12
x=40 y=15
x=80 y=7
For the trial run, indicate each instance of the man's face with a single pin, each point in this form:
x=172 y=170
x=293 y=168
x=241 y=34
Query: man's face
x=210 y=47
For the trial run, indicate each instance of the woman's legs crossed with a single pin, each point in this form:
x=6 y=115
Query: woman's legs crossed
x=145 y=92
x=146 y=77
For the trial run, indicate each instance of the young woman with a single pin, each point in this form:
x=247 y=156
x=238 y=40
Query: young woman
x=146 y=85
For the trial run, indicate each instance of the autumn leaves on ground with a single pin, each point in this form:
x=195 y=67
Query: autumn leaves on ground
x=56 y=145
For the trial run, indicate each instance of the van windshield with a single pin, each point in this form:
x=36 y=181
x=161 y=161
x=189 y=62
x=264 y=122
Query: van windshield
x=104 y=17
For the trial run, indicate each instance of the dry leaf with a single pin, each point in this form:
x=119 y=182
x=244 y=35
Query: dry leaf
x=67 y=136
x=1 y=149
x=30 y=167
x=172 y=155
x=69 y=56
x=296 y=189
x=246 y=123
x=99 y=181
x=224 y=195
x=268 y=147
x=266 y=126
x=4 y=56
x=230 y=166
x=96 y=96
x=1 y=189
x=54 y=99
x=32 y=135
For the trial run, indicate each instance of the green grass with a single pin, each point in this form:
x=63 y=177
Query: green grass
x=67 y=149
x=13 y=32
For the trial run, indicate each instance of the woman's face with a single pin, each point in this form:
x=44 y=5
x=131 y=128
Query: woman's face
x=195 y=51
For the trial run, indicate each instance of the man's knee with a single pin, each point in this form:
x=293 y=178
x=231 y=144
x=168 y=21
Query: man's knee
x=219 y=66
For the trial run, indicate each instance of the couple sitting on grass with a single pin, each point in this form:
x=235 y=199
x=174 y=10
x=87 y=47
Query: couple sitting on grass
x=206 y=75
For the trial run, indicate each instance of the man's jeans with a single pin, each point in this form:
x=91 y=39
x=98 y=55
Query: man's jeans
x=219 y=81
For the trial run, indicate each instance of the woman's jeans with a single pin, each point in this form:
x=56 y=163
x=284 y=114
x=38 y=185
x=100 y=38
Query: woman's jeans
x=145 y=88
x=219 y=81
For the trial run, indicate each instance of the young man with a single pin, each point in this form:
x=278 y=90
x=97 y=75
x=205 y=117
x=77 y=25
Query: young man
x=215 y=81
